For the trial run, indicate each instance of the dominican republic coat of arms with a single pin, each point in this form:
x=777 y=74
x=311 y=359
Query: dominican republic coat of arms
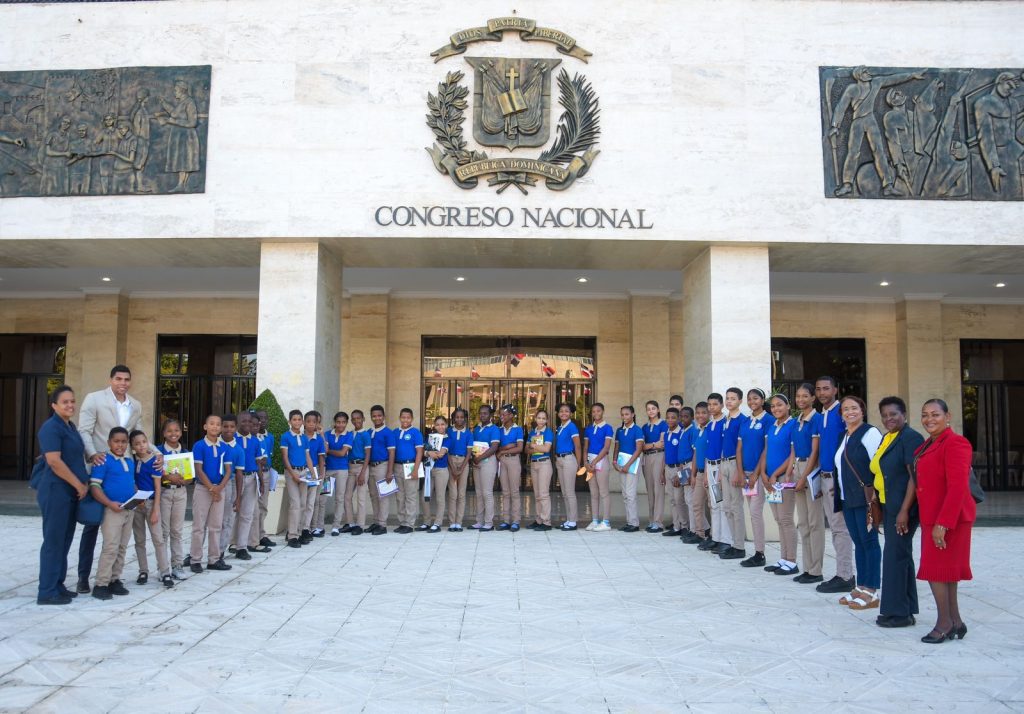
x=512 y=110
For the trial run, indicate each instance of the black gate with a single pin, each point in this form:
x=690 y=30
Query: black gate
x=24 y=406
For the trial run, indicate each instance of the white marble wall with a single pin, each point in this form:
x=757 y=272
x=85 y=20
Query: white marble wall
x=710 y=112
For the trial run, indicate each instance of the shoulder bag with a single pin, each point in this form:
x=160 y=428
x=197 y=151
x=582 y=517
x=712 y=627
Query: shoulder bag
x=870 y=495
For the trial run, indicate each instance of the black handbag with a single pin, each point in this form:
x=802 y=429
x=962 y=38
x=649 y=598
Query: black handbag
x=977 y=492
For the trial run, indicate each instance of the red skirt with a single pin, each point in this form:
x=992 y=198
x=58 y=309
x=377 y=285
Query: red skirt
x=950 y=565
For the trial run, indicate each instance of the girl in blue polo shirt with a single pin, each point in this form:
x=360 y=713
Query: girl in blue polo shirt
x=597 y=440
x=459 y=447
x=654 y=465
x=567 y=461
x=439 y=477
x=804 y=472
x=749 y=446
x=147 y=515
x=774 y=468
x=629 y=449
x=485 y=468
x=539 y=449
x=112 y=484
x=510 y=473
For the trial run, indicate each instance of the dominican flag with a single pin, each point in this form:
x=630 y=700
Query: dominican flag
x=586 y=372
x=473 y=373
x=517 y=358
x=547 y=369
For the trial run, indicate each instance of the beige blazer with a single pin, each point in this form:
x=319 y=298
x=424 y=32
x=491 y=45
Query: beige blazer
x=98 y=416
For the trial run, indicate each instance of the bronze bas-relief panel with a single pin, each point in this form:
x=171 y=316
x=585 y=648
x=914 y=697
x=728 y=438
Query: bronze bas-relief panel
x=98 y=132
x=912 y=133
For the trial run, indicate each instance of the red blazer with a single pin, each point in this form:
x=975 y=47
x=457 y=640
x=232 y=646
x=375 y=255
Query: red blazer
x=943 y=474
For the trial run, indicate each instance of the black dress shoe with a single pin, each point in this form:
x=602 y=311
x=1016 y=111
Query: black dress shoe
x=219 y=565
x=565 y=527
x=807 y=579
x=118 y=588
x=754 y=561
x=707 y=544
x=294 y=543
x=102 y=592
x=355 y=530
x=243 y=554
x=654 y=529
x=196 y=567
x=259 y=549
x=935 y=637
x=786 y=570
x=67 y=593
x=732 y=554
x=836 y=585
x=629 y=529
x=83 y=587
x=381 y=530
x=671 y=533
x=306 y=537
x=423 y=527
x=404 y=530
x=692 y=539
x=186 y=561
x=347 y=529
x=896 y=621
x=267 y=542
x=721 y=548
x=232 y=549
x=546 y=527
x=54 y=600
x=960 y=632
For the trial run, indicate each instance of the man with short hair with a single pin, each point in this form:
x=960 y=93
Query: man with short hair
x=826 y=389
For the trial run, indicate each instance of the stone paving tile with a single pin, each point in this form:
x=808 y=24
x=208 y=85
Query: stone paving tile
x=532 y=622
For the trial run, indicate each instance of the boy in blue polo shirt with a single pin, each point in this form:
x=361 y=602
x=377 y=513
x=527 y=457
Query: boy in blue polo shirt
x=408 y=456
x=266 y=442
x=112 y=483
x=338 y=442
x=685 y=455
x=698 y=493
x=731 y=479
x=318 y=454
x=298 y=467
x=244 y=536
x=228 y=432
x=712 y=467
x=381 y=465
x=677 y=455
x=213 y=462
x=357 y=490
x=147 y=515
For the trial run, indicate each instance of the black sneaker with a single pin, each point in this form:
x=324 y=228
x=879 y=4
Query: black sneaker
x=294 y=543
x=503 y=526
x=355 y=530
x=836 y=585
x=379 y=530
x=732 y=554
x=347 y=528
x=707 y=544
x=83 y=587
x=692 y=539
x=196 y=567
x=267 y=542
x=629 y=529
x=671 y=533
x=67 y=593
x=101 y=592
x=721 y=548
x=219 y=565
x=306 y=537
x=167 y=581
x=243 y=554
x=654 y=529
x=754 y=561
x=187 y=561
x=118 y=588
x=60 y=599
x=404 y=530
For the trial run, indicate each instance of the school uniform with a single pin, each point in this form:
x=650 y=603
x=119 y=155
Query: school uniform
x=208 y=514
x=721 y=531
x=484 y=474
x=229 y=494
x=540 y=475
x=359 y=496
x=116 y=476
x=732 y=503
x=778 y=445
x=598 y=436
x=627 y=439
x=337 y=468
x=146 y=478
x=317 y=451
x=266 y=449
x=459 y=447
x=695 y=493
x=173 y=502
x=684 y=456
x=382 y=441
x=810 y=515
x=750 y=448
x=298 y=450
x=654 y=470
x=567 y=466
x=671 y=470
x=831 y=432
x=244 y=535
x=439 y=482
x=510 y=474
x=407 y=442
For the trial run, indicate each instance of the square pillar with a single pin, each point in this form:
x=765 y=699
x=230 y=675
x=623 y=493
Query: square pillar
x=367 y=359
x=102 y=340
x=919 y=349
x=650 y=349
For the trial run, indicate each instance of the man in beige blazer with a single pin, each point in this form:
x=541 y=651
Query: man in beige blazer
x=101 y=411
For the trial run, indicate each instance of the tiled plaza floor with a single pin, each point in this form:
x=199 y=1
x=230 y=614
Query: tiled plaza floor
x=546 y=622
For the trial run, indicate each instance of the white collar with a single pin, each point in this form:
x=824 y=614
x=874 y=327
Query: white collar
x=127 y=400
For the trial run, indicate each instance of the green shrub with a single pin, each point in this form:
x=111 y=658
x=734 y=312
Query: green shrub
x=277 y=423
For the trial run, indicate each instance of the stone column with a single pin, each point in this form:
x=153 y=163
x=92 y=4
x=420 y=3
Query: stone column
x=366 y=365
x=102 y=340
x=299 y=328
x=919 y=350
x=650 y=350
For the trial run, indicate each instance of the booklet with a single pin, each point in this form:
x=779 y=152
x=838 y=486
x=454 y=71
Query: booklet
x=182 y=464
x=480 y=447
x=714 y=489
x=140 y=497
x=407 y=471
x=311 y=479
x=623 y=458
x=752 y=491
x=272 y=482
x=386 y=489
x=774 y=495
x=684 y=476
x=814 y=484
x=328 y=489
x=435 y=441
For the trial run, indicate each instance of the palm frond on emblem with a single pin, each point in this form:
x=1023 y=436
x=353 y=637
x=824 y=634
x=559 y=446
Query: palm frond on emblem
x=578 y=127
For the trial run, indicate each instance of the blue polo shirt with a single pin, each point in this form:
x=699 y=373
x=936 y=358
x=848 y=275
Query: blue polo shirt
x=298 y=447
x=804 y=435
x=597 y=435
x=57 y=435
x=672 y=439
x=548 y=436
x=234 y=455
x=117 y=478
x=442 y=463
x=700 y=447
x=686 y=445
x=212 y=458
x=266 y=442
x=146 y=474
x=730 y=433
x=514 y=435
x=778 y=444
x=335 y=442
x=163 y=449
x=249 y=446
x=752 y=432
x=627 y=438
x=406 y=441
x=831 y=432
x=381 y=440
x=317 y=447
x=563 y=438
x=458 y=442
x=487 y=433
x=654 y=432
x=360 y=445
x=715 y=431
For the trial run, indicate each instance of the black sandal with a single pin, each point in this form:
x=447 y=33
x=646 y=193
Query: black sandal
x=142 y=579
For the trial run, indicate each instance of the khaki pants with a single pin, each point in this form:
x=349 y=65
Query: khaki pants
x=510 y=474
x=680 y=513
x=264 y=503
x=319 y=510
x=371 y=484
x=207 y=520
x=228 y=525
x=567 y=467
x=756 y=505
x=733 y=503
x=342 y=497
x=696 y=500
x=654 y=470
x=811 y=524
x=244 y=535
x=140 y=524
x=116 y=529
x=457 y=490
x=483 y=479
x=629 y=484
x=383 y=509
x=600 y=493
x=439 y=493
x=297 y=493
x=360 y=498
x=408 y=498
x=720 y=532
x=309 y=506
x=837 y=524
x=172 y=522
x=783 y=513
x=540 y=473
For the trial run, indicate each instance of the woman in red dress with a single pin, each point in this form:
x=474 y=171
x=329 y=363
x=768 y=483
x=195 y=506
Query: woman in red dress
x=943 y=466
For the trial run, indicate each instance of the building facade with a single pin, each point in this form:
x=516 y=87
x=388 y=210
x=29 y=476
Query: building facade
x=698 y=237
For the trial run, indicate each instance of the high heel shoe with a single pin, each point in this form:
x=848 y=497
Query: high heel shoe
x=935 y=637
x=959 y=632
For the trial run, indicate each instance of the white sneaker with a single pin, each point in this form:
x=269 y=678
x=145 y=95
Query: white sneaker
x=178 y=574
x=601 y=527
x=592 y=526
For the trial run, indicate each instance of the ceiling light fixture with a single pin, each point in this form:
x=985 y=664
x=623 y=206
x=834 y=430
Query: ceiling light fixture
x=884 y=283
x=1000 y=285
x=460 y=278
x=581 y=280
x=105 y=279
